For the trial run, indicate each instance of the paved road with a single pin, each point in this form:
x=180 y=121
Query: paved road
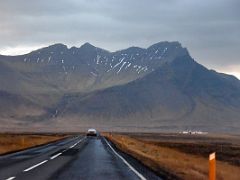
x=74 y=159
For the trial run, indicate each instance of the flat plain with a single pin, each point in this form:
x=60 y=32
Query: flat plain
x=16 y=142
x=179 y=156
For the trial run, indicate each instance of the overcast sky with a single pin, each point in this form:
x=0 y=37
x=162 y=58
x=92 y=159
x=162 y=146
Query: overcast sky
x=210 y=29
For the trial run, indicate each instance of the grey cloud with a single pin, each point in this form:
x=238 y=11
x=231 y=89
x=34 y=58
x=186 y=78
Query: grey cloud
x=209 y=29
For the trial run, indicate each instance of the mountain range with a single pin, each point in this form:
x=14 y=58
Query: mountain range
x=160 y=88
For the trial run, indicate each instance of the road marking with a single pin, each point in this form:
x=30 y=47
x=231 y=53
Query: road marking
x=125 y=161
x=11 y=178
x=32 y=167
x=53 y=157
x=81 y=139
x=76 y=143
x=72 y=146
x=64 y=150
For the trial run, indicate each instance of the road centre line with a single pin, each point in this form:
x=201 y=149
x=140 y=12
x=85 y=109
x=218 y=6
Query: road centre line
x=39 y=164
x=76 y=143
x=53 y=157
x=34 y=166
x=11 y=178
x=72 y=146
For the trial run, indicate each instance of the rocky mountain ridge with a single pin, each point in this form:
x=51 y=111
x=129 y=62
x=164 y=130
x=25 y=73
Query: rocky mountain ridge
x=158 y=88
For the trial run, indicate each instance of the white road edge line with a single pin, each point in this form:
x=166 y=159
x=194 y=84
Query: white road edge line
x=11 y=178
x=32 y=167
x=132 y=168
x=56 y=155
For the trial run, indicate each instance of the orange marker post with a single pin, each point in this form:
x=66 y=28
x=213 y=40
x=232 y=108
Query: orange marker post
x=212 y=166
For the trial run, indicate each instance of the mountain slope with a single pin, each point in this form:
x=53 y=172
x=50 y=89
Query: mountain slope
x=153 y=89
x=181 y=94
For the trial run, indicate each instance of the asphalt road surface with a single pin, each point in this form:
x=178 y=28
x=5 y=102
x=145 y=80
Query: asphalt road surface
x=74 y=158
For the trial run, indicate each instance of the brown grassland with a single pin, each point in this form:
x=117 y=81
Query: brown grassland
x=182 y=157
x=15 y=142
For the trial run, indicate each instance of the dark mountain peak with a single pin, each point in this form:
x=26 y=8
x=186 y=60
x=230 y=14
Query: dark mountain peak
x=89 y=48
x=87 y=45
x=132 y=49
x=165 y=44
x=58 y=47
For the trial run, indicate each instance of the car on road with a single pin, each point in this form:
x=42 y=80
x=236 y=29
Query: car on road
x=92 y=132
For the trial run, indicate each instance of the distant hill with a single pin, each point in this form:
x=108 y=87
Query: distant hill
x=160 y=88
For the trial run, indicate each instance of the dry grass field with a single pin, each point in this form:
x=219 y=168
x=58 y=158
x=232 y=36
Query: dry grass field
x=181 y=157
x=227 y=147
x=15 y=142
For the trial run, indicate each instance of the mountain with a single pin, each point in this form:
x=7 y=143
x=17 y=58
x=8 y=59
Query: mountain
x=160 y=88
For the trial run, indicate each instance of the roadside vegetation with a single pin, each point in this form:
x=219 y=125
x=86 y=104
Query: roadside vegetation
x=15 y=142
x=179 y=161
